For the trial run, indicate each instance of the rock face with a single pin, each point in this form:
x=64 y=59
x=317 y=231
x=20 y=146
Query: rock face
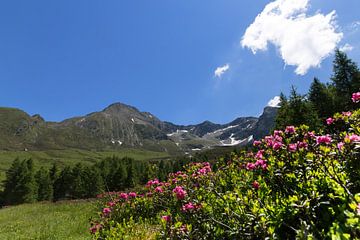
x=120 y=125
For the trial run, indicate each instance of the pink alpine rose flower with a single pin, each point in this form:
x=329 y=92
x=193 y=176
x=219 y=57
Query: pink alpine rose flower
x=256 y=185
x=250 y=166
x=259 y=154
x=310 y=135
x=292 y=147
x=95 y=228
x=356 y=97
x=277 y=145
x=278 y=133
x=340 y=146
x=354 y=138
x=256 y=143
x=323 y=139
x=329 y=121
x=346 y=114
x=290 y=129
x=132 y=194
x=159 y=190
x=180 y=192
x=302 y=145
x=278 y=139
x=269 y=140
x=106 y=211
x=123 y=196
x=167 y=218
x=264 y=166
x=260 y=162
x=187 y=207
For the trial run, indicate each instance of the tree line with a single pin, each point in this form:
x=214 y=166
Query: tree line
x=322 y=99
x=26 y=184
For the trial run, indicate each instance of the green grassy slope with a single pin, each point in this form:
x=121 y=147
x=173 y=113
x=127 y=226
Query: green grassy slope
x=50 y=221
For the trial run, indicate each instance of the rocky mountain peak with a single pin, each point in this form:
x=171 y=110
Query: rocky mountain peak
x=120 y=107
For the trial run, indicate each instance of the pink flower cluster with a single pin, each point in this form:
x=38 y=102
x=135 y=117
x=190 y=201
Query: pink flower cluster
x=323 y=139
x=274 y=141
x=290 y=130
x=310 y=135
x=180 y=192
x=205 y=169
x=347 y=114
x=353 y=138
x=292 y=147
x=256 y=185
x=356 y=97
x=159 y=189
x=124 y=196
x=167 y=218
x=106 y=211
x=256 y=143
x=340 y=146
x=329 y=121
x=95 y=228
x=152 y=182
x=132 y=194
x=190 y=207
x=260 y=162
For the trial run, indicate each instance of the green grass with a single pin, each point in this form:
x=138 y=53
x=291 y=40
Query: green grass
x=50 y=221
x=71 y=157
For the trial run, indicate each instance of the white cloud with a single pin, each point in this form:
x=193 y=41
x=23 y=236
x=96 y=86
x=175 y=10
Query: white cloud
x=355 y=25
x=274 y=102
x=346 y=48
x=303 y=41
x=221 y=70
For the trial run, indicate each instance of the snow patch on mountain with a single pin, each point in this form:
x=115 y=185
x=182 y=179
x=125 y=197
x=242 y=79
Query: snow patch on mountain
x=233 y=142
x=196 y=149
x=219 y=131
x=178 y=132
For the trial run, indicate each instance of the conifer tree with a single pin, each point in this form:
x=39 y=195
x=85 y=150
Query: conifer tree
x=131 y=179
x=78 y=189
x=44 y=184
x=345 y=79
x=63 y=184
x=282 y=117
x=54 y=172
x=296 y=111
x=119 y=178
x=321 y=97
x=93 y=182
x=25 y=186
x=12 y=177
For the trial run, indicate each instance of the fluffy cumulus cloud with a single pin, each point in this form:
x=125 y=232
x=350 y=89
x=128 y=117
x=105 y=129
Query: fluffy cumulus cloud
x=346 y=48
x=274 y=102
x=303 y=41
x=221 y=70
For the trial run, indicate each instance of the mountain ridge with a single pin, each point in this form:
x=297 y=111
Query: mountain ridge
x=120 y=125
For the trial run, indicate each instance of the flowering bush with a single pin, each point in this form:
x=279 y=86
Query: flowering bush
x=294 y=184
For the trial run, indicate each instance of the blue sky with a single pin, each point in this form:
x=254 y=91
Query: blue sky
x=68 y=58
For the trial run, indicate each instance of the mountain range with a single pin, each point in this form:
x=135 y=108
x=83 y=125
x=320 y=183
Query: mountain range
x=123 y=126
